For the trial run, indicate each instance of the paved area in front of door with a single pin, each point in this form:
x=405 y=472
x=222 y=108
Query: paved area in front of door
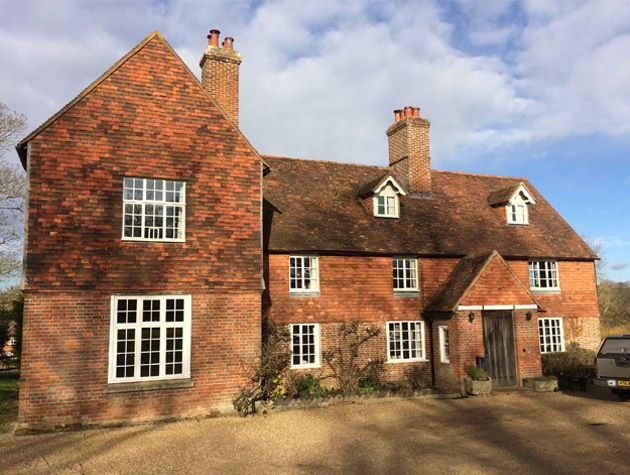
x=506 y=432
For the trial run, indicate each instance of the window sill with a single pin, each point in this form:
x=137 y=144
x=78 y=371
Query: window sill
x=128 y=239
x=414 y=360
x=294 y=294
x=546 y=291
x=409 y=294
x=308 y=366
x=115 y=388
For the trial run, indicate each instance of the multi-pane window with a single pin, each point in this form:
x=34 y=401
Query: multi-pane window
x=550 y=335
x=517 y=213
x=445 y=355
x=305 y=345
x=386 y=206
x=154 y=210
x=405 y=341
x=150 y=338
x=543 y=275
x=303 y=274
x=405 y=272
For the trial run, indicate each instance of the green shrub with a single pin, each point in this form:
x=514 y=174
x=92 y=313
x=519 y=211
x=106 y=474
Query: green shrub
x=309 y=387
x=477 y=374
x=573 y=358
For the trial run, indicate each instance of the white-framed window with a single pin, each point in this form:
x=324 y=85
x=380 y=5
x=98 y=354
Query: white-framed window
x=405 y=273
x=517 y=213
x=305 y=345
x=303 y=273
x=386 y=205
x=154 y=210
x=445 y=350
x=543 y=275
x=405 y=341
x=149 y=338
x=550 y=334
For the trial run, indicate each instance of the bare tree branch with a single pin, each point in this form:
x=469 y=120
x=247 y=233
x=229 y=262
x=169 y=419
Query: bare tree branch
x=12 y=194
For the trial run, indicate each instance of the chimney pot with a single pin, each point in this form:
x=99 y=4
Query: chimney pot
x=408 y=111
x=228 y=42
x=416 y=112
x=397 y=115
x=213 y=38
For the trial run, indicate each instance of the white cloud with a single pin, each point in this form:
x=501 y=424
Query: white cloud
x=320 y=79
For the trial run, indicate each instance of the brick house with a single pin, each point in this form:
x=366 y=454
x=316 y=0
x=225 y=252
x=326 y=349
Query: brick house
x=152 y=255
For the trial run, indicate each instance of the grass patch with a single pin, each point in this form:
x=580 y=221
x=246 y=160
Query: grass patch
x=614 y=330
x=8 y=398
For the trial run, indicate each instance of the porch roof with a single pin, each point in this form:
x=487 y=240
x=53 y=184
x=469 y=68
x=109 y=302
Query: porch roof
x=457 y=287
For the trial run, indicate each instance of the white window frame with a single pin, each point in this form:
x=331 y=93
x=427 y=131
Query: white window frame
x=553 y=331
x=408 y=263
x=388 y=197
x=513 y=216
x=144 y=202
x=162 y=324
x=445 y=357
x=316 y=337
x=551 y=268
x=421 y=350
x=313 y=273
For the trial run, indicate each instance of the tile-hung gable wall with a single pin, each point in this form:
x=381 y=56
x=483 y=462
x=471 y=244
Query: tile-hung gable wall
x=148 y=119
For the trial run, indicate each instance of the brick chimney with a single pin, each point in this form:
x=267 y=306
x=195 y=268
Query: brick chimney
x=219 y=73
x=409 y=155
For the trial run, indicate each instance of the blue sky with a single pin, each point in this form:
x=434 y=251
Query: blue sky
x=537 y=89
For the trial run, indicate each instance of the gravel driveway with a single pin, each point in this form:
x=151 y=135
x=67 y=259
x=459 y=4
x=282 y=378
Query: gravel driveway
x=506 y=432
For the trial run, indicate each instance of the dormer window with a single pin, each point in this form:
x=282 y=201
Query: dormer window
x=386 y=205
x=516 y=199
x=517 y=213
x=386 y=194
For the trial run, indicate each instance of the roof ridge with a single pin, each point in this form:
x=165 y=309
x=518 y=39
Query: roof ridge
x=485 y=175
x=385 y=167
x=304 y=159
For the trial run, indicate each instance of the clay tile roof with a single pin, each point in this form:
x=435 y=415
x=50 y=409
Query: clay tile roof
x=462 y=278
x=315 y=206
x=458 y=282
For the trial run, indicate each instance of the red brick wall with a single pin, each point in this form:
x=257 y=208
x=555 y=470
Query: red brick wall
x=351 y=289
x=65 y=359
x=578 y=291
x=576 y=302
x=467 y=343
x=344 y=297
x=150 y=118
x=374 y=349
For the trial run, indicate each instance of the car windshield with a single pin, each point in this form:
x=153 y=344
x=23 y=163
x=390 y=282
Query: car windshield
x=616 y=346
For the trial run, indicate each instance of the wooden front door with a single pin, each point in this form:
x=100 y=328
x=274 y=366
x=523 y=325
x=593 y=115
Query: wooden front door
x=498 y=338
